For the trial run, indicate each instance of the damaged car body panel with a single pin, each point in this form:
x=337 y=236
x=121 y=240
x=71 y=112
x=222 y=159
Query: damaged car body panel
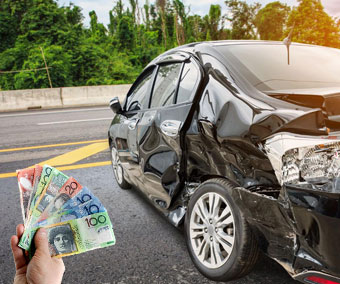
x=310 y=177
x=153 y=138
x=280 y=151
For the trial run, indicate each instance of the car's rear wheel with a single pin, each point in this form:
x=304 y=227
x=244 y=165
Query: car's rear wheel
x=219 y=240
x=118 y=169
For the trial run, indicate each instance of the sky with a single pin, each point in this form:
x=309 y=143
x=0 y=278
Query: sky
x=200 y=7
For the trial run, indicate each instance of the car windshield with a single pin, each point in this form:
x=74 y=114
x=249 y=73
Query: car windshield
x=265 y=66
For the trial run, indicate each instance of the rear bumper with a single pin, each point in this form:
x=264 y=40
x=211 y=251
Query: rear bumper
x=315 y=277
x=316 y=222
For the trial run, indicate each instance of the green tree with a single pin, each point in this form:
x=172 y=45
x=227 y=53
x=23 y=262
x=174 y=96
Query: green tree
x=8 y=31
x=147 y=48
x=126 y=32
x=270 y=20
x=194 y=29
x=215 y=21
x=313 y=25
x=11 y=13
x=98 y=30
x=180 y=21
x=161 y=5
x=147 y=14
x=11 y=59
x=242 y=19
x=115 y=16
x=97 y=54
x=60 y=70
x=42 y=23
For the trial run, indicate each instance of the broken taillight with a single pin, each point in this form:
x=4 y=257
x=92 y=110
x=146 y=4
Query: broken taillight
x=318 y=280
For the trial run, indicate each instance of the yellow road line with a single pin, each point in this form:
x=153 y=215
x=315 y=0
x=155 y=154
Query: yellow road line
x=52 y=145
x=7 y=175
x=75 y=156
x=82 y=166
x=66 y=168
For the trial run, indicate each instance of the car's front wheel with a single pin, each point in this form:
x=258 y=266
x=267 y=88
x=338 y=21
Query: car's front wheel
x=218 y=237
x=118 y=169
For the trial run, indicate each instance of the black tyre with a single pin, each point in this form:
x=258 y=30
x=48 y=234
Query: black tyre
x=219 y=240
x=118 y=169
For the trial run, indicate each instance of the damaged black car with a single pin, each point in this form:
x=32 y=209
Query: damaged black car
x=239 y=142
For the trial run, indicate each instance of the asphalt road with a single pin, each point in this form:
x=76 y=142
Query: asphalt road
x=148 y=248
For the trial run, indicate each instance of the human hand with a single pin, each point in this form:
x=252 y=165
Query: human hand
x=42 y=268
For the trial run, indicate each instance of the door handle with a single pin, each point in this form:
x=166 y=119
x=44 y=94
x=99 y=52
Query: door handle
x=132 y=124
x=171 y=127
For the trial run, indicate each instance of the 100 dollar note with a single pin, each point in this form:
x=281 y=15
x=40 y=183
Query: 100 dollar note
x=75 y=236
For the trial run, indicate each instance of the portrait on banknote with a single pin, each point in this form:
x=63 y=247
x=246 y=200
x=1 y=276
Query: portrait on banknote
x=47 y=198
x=61 y=240
x=59 y=201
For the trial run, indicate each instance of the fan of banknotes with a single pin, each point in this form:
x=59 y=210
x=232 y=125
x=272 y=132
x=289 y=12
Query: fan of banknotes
x=75 y=220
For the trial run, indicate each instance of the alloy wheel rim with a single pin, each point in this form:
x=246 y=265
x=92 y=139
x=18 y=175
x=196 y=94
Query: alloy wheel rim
x=212 y=230
x=117 y=168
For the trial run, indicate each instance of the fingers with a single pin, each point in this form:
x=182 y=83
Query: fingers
x=59 y=262
x=18 y=254
x=20 y=230
x=41 y=243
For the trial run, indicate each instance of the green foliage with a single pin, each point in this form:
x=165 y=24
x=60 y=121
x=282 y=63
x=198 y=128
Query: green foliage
x=42 y=23
x=126 y=33
x=59 y=73
x=271 y=19
x=113 y=54
x=214 y=21
x=242 y=19
x=7 y=30
x=11 y=13
x=313 y=25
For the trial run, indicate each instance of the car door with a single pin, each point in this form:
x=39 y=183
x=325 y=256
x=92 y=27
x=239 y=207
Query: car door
x=159 y=130
x=125 y=131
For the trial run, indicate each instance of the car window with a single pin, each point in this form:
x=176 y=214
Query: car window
x=166 y=85
x=266 y=67
x=138 y=99
x=189 y=79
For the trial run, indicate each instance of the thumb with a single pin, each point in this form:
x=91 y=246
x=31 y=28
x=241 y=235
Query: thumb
x=41 y=242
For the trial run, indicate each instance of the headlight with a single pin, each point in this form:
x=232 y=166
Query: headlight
x=316 y=167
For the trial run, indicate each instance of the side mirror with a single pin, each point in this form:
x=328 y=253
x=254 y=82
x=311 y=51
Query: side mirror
x=115 y=105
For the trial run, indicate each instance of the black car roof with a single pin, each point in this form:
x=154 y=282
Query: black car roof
x=192 y=47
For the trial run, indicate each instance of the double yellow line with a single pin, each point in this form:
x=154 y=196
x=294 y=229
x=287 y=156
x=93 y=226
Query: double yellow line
x=66 y=161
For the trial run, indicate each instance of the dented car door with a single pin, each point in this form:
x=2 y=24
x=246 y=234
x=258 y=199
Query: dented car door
x=161 y=128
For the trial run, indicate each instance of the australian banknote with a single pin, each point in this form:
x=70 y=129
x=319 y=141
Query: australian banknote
x=25 y=184
x=75 y=219
x=82 y=204
x=50 y=182
x=75 y=236
x=67 y=191
x=45 y=178
x=36 y=178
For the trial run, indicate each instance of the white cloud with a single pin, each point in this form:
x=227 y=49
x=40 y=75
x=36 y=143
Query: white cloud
x=332 y=7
